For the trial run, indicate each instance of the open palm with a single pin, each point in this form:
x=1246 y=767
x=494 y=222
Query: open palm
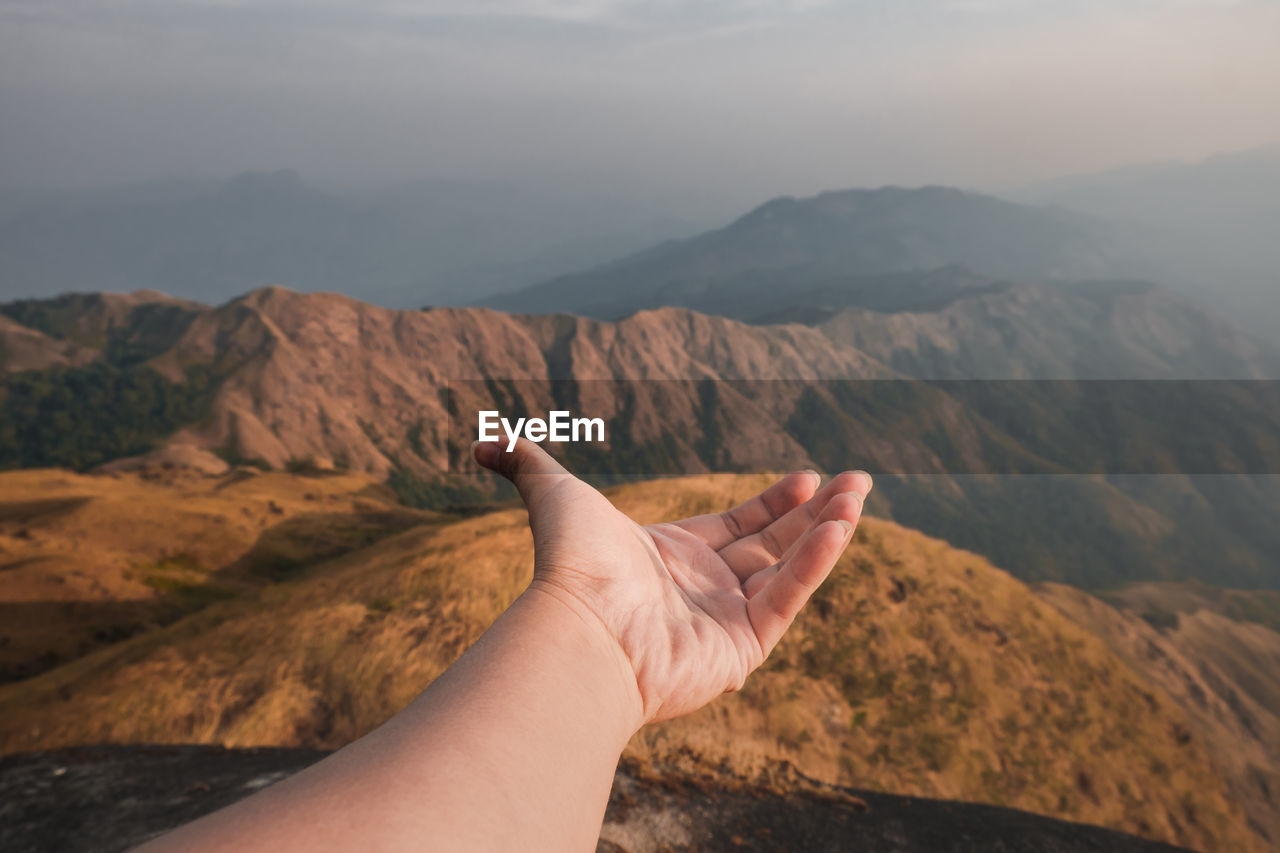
x=694 y=605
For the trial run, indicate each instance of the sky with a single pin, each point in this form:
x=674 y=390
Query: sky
x=729 y=101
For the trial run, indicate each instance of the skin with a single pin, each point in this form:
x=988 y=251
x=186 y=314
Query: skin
x=515 y=745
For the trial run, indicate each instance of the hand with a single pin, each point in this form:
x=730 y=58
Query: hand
x=694 y=606
x=515 y=745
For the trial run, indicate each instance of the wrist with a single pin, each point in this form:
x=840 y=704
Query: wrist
x=582 y=643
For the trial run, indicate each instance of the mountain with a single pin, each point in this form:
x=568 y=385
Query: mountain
x=1174 y=192
x=280 y=379
x=23 y=348
x=1224 y=673
x=1161 y=603
x=918 y=669
x=1209 y=227
x=415 y=244
x=838 y=243
x=1113 y=330
x=89 y=560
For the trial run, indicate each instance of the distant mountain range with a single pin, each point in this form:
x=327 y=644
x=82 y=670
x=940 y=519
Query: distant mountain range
x=415 y=244
x=1209 y=227
x=840 y=248
x=1205 y=229
x=284 y=379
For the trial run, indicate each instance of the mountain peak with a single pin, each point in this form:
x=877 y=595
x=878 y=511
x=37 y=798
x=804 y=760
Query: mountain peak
x=757 y=264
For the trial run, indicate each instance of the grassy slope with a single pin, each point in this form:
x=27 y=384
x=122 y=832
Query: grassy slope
x=87 y=560
x=1159 y=602
x=919 y=669
x=1225 y=674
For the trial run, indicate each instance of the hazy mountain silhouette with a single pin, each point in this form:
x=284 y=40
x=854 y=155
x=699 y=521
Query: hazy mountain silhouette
x=1209 y=226
x=417 y=243
x=841 y=245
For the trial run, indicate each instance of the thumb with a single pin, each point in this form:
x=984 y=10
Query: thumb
x=527 y=465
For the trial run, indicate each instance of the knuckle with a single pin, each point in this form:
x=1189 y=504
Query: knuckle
x=732 y=524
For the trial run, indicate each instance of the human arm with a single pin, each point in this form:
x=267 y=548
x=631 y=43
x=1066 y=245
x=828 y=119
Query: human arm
x=515 y=745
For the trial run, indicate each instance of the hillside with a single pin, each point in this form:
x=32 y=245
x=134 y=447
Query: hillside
x=1111 y=330
x=1161 y=603
x=23 y=348
x=919 y=669
x=281 y=379
x=1224 y=673
x=89 y=560
x=847 y=235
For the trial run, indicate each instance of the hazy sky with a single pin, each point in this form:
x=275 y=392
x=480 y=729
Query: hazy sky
x=740 y=100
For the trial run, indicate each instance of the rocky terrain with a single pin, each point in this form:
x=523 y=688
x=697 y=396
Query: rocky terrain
x=107 y=799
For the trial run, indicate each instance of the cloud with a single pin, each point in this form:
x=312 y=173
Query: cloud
x=760 y=97
x=637 y=16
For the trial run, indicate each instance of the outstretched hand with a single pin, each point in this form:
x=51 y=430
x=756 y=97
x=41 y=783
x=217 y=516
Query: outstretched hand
x=514 y=746
x=693 y=606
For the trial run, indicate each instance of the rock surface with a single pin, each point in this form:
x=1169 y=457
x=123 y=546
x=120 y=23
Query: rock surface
x=172 y=456
x=111 y=798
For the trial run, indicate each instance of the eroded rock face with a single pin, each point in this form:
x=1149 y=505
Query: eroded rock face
x=112 y=798
x=174 y=456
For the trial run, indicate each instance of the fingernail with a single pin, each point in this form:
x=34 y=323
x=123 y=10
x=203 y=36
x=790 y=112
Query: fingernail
x=848 y=528
x=870 y=482
x=817 y=478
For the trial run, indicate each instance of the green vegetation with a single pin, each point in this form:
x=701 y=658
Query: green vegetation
x=418 y=493
x=186 y=595
x=85 y=318
x=1160 y=603
x=53 y=317
x=1160 y=619
x=186 y=585
x=79 y=417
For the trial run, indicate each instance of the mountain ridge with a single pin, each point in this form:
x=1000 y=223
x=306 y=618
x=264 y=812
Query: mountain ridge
x=848 y=233
x=419 y=242
x=282 y=379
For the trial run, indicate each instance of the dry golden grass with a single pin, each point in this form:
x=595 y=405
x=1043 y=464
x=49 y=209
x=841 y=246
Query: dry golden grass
x=1224 y=673
x=918 y=669
x=87 y=559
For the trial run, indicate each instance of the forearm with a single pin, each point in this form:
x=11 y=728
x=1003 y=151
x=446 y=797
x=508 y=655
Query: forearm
x=514 y=747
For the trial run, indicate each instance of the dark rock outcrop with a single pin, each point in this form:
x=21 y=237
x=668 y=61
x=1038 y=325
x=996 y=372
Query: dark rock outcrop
x=112 y=798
